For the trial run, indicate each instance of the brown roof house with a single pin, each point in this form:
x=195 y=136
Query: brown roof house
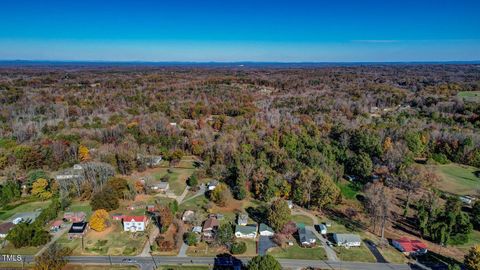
x=5 y=228
x=210 y=226
x=74 y=216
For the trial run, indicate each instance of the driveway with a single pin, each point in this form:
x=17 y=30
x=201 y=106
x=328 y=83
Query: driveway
x=373 y=248
x=265 y=243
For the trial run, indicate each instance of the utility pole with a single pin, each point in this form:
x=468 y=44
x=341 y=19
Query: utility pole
x=110 y=259
x=154 y=262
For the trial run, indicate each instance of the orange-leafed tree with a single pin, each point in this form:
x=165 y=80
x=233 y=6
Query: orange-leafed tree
x=99 y=220
x=83 y=153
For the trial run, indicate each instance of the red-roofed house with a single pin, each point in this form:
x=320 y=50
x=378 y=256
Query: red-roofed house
x=135 y=223
x=56 y=225
x=410 y=246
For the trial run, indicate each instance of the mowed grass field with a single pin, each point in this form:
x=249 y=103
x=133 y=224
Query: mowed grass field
x=458 y=179
x=297 y=252
x=27 y=207
x=473 y=96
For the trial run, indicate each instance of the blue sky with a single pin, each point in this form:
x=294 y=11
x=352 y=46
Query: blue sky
x=240 y=30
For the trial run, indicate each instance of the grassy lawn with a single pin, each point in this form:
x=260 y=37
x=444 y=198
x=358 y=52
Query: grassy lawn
x=81 y=206
x=251 y=248
x=177 y=177
x=10 y=249
x=302 y=219
x=113 y=241
x=473 y=96
x=458 y=179
x=392 y=255
x=297 y=252
x=355 y=254
x=203 y=250
x=474 y=240
x=349 y=190
x=184 y=267
x=27 y=207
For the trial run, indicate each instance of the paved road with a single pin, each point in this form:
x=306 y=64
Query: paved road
x=150 y=262
x=183 y=250
x=378 y=256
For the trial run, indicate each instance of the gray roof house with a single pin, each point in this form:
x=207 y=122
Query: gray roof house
x=306 y=237
x=249 y=231
x=347 y=239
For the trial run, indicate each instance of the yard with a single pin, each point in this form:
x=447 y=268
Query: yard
x=201 y=249
x=297 y=252
x=349 y=190
x=473 y=96
x=26 y=207
x=112 y=241
x=176 y=176
x=458 y=179
x=10 y=249
x=474 y=240
x=302 y=219
x=80 y=206
x=355 y=254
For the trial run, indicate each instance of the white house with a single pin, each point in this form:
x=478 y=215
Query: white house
x=212 y=185
x=469 y=200
x=161 y=187
x=135 y=223
x=347 y=240
x=242 y=219
x=249 y=231
x=322 y=228
x=264 y=230
x=290 y=204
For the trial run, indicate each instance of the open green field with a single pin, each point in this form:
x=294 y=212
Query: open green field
x=474 y=240
x=473 y=96
x=302 y=219
x=349 y=190
x=10 y=249
x=27 y=207
x=113 y=241
x=355 y=254
x=458 y=179
x=80 y=206
x=297 y=252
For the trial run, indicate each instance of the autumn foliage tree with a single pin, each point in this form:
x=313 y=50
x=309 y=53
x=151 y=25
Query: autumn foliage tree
x=278 y=215
x=472 y=259
x=99 y=220
x=83 y=153
x=221 y=194
x=40 y=189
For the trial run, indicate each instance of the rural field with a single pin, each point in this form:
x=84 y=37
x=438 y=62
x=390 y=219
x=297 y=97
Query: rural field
x=458 y=179
x=472 y=96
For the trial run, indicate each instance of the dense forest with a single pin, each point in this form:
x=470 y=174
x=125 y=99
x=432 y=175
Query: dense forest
x=266 y=133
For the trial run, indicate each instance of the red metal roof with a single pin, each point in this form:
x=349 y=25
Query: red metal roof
x=411 y=245
x=135 y=218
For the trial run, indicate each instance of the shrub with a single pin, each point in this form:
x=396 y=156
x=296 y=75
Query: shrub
x=440 y=158
x=190 y=238
x=238 y=248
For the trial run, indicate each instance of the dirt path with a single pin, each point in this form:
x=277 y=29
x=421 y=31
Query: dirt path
x=146 y=249
x=55 y=237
